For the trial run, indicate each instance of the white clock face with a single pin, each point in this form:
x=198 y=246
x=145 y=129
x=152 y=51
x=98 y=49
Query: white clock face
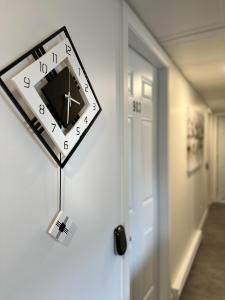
x=31 y=77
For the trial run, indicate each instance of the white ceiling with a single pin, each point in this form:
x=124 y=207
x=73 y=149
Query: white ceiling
x=193 y=34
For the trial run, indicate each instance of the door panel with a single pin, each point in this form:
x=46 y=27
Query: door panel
x=147 y=158
x=142 y=177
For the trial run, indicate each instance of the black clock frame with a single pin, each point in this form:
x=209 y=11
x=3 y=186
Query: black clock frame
x=37 y=52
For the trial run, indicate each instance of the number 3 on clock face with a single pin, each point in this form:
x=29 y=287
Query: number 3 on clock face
x=56 y=89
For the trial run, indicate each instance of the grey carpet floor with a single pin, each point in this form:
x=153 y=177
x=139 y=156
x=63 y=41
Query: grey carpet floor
x=207 y=277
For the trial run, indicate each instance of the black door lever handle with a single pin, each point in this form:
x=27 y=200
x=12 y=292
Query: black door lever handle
x=120 y=240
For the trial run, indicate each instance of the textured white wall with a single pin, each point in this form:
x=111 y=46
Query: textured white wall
x=189 y=193
x=32 y=265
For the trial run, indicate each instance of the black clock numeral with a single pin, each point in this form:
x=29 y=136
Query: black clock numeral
x=94 y=106
x=42 y=109
x=78 y=130
x=43 y=67
x=136 y=106
x=66 y=146
x=54 y=126
x=79 y=71
x=68 y=49
x=54 y=58
x=86 y=120
x=86 y=88
x=26 y=82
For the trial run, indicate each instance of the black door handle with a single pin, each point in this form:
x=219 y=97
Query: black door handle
x=120 y=240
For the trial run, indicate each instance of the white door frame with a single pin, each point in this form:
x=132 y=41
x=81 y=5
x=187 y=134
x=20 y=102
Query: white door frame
x=134 y=33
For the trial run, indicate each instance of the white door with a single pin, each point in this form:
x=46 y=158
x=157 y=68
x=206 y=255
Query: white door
x=142 y=87
x=221 y=158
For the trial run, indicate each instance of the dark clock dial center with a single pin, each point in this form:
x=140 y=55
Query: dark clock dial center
x=63 y=95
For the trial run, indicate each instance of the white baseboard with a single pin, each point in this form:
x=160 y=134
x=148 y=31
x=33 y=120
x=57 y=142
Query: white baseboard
x=180 y=280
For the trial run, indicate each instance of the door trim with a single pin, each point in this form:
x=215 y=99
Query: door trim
x=134 y=33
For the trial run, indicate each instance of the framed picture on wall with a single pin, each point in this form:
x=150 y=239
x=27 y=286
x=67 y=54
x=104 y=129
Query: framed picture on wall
x=195 y=139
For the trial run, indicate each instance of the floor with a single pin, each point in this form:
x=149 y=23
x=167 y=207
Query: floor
x=207 y=277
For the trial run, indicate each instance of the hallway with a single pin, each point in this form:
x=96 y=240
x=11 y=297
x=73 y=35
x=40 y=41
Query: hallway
x=113 y=150
x=206 y=279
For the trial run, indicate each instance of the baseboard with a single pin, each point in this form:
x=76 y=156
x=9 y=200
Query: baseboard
x=180 y=280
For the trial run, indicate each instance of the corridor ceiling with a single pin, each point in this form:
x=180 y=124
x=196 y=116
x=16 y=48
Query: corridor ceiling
x=193 y=34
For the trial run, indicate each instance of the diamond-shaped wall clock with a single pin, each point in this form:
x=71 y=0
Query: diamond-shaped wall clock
x=51 y=90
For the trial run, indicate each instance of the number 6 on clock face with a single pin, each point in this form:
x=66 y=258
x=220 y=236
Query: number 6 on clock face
x=59 y=102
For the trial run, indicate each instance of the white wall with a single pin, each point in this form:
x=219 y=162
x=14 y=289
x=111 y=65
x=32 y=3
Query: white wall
x=32 y=265
x=189 y=196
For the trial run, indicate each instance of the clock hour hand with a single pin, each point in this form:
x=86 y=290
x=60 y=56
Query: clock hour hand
x=68 y=97
x=71 y=99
